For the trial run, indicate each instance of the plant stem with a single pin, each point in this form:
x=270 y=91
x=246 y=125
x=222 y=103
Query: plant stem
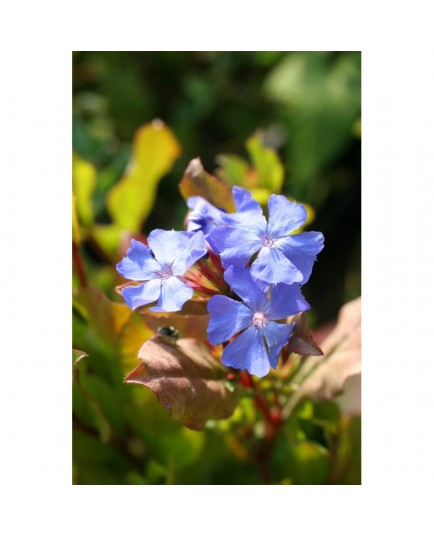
x=79 y=264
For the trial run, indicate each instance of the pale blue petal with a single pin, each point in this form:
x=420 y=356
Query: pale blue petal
x=284 y=216
x=176 y=251
x=272 y=266
x=277 y=336
x=138 y=265
x=143 y=294
x=301 y=250
x=236 y=246
x=227 y=317
x=174 y=293
x=194 y=250
x=248 y=352
x=286 y=300
x=242 y=283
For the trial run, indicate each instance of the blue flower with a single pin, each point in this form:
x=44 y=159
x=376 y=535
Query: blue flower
x=169 y=255
x=203 y=217
x=281 y=258
x=261 y=338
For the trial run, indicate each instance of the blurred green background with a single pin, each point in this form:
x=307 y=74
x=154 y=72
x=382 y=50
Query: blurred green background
x=307 y=106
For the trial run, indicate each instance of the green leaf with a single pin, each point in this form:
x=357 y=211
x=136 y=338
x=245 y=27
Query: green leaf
x=106 y=317
x=130 y=201
x=186 y=379
x=83 y=186
x=233 y=169
x=267 y=164
x=196 y=181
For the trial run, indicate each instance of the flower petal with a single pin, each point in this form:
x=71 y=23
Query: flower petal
x=248 y=352
x=277 y=336
x=273 y=267
x=286 y=300
x=177 y=250
x=301 y=250
x=249 y=213
x=242 y=283
x=136 y=296
x=203 y=216
x=227 y=317
x=139 y=264
x=174 y=293
x=236 y=246
x=244 y=201
x=284 y=216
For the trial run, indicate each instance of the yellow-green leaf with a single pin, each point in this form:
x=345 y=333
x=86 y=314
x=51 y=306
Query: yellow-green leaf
x=233 y=169
x=83 y=185
x=267 y=164
x=155 y=149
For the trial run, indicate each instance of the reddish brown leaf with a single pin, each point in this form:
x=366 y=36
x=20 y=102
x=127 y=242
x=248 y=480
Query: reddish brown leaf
x=302 y=341
x=197 y=181
x=186 y=380
x=191 y=321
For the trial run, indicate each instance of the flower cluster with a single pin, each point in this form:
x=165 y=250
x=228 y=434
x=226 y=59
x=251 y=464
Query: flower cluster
x=264 y=264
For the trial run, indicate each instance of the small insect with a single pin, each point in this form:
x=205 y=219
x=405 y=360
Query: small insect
x=169 y=334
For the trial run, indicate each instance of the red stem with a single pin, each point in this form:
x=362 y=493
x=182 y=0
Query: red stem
x=79 y=265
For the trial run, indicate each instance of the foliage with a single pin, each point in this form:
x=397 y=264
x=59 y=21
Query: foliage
x=251 y=432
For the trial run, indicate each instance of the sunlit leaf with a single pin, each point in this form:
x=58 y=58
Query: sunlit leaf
x=191 y=322
x=342 y=355
x=105 y=316
x=323 y=378
x=266 y=163
x=155 y=149
x=76 y=235
x=83 y=186
x=186 y=380
x=109 y=238
x=197 y=181
x=233 y=169
x=131 y=337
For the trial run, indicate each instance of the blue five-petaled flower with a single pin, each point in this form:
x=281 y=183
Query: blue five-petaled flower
x=282 y=258
x=160 y=267
x=261 y=338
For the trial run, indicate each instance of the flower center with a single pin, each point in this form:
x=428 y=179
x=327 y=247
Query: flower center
x=164 y=273
x=259 y=319
x=267 y=241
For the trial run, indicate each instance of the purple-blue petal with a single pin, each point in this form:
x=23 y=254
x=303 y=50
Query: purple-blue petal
x=174 y=293
x=286 y=300
x=273 y=267
x=138 y=265
x=301 y=250
x=227 y=317
x=284 y=216
x=242 y=283
x=236 y=246
x=277 y=336
x=136 y=296
x=203 y=216
x=244 y=201
x=248 y=352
